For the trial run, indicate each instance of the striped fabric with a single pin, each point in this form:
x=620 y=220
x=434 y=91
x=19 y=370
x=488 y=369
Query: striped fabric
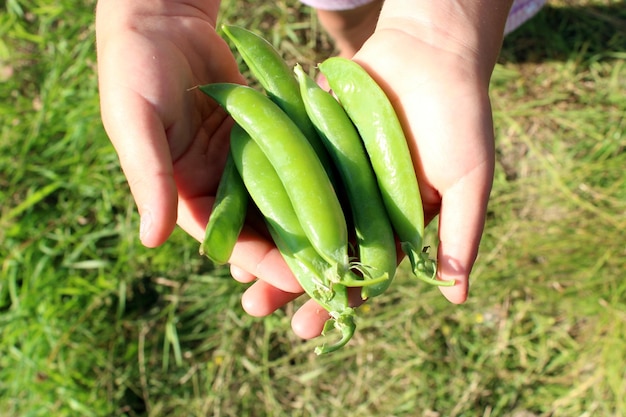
x=521 y=11
x=335 y=4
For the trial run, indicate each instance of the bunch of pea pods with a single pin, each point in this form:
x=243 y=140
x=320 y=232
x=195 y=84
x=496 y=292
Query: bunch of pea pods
x=330 y=173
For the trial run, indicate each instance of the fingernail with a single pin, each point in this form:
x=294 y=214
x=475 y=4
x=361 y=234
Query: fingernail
x=145 y=225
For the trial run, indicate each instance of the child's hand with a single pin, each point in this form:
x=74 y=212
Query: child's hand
x=172 y=140
x=441 y=95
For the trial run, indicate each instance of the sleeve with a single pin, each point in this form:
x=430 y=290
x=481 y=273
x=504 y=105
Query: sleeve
x=521 y=11
x=335 y=4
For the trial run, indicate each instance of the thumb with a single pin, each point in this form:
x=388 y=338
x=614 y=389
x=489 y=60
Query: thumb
x=138 y=135
x=461 y=224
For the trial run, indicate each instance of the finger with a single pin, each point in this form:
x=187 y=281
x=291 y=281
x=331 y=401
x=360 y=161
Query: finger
x=139 y=139
x=262 y=259
x=262 y=299
x=241 y=275
x=131 y=85
x=461 y=225
x=253 y=253
x=308 y=321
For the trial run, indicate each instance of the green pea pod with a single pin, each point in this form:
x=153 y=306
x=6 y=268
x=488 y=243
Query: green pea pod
x=227 y=217
x=271 y=71
x=300 y=170
x=266 y=190
x=375 y=239
x=379 y=127
x=312 y=272
x=268 y=193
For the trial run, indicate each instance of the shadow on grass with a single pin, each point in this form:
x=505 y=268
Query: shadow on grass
x=562 y=33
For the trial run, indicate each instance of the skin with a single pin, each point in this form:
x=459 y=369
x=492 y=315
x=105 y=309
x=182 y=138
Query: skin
x=171 y=142
x=434 y=60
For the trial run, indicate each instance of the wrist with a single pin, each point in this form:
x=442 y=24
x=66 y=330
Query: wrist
x=472 y=30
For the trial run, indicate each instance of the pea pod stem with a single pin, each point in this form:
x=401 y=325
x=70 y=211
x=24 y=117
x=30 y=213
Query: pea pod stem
x=423 y=263
x=379 y=127
x=335 y=301
x=344 y=322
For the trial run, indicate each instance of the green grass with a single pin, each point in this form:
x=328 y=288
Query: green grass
x=94 y=324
